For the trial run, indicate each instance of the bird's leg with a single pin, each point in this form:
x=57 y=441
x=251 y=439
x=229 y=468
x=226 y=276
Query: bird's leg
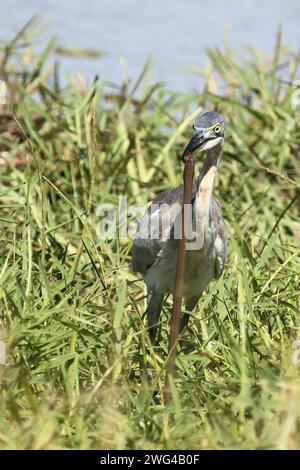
x=190 y=304
x=155 y=301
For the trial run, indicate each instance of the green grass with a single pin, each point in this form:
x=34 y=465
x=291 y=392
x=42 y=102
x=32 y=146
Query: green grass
x=80 y=371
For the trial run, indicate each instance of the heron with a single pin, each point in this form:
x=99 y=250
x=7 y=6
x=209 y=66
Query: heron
x=155 y=246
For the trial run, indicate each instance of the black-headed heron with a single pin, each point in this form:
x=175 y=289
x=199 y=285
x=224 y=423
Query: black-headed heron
x=155 y=247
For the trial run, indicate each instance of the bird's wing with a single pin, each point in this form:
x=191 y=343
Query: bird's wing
x=155 y=228
x=220 y=238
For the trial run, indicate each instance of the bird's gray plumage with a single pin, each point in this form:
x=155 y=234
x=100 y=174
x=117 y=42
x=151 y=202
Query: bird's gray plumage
x=145 y=250
x=154 y=253
x=208 y=119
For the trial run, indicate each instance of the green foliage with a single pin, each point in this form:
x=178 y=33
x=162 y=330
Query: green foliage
x=80 y=370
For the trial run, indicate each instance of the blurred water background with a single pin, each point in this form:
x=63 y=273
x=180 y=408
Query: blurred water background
x=174 y=33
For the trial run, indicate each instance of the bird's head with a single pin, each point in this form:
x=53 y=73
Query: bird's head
x=209 y=131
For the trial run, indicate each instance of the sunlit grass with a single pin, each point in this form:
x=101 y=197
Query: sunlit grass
x=80 y=370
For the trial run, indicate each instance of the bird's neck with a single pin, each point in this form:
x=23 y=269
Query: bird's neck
x=205 y=184
x=205 y=181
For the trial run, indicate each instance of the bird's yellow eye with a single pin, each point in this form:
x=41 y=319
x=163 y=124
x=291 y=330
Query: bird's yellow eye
x=217 y=128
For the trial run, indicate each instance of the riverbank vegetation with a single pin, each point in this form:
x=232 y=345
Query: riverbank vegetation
x=79 y=370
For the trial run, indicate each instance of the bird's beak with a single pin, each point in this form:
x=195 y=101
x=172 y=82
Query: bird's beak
x=197 y=141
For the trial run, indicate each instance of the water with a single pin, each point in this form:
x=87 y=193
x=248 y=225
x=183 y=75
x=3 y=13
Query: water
x=175 y=33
